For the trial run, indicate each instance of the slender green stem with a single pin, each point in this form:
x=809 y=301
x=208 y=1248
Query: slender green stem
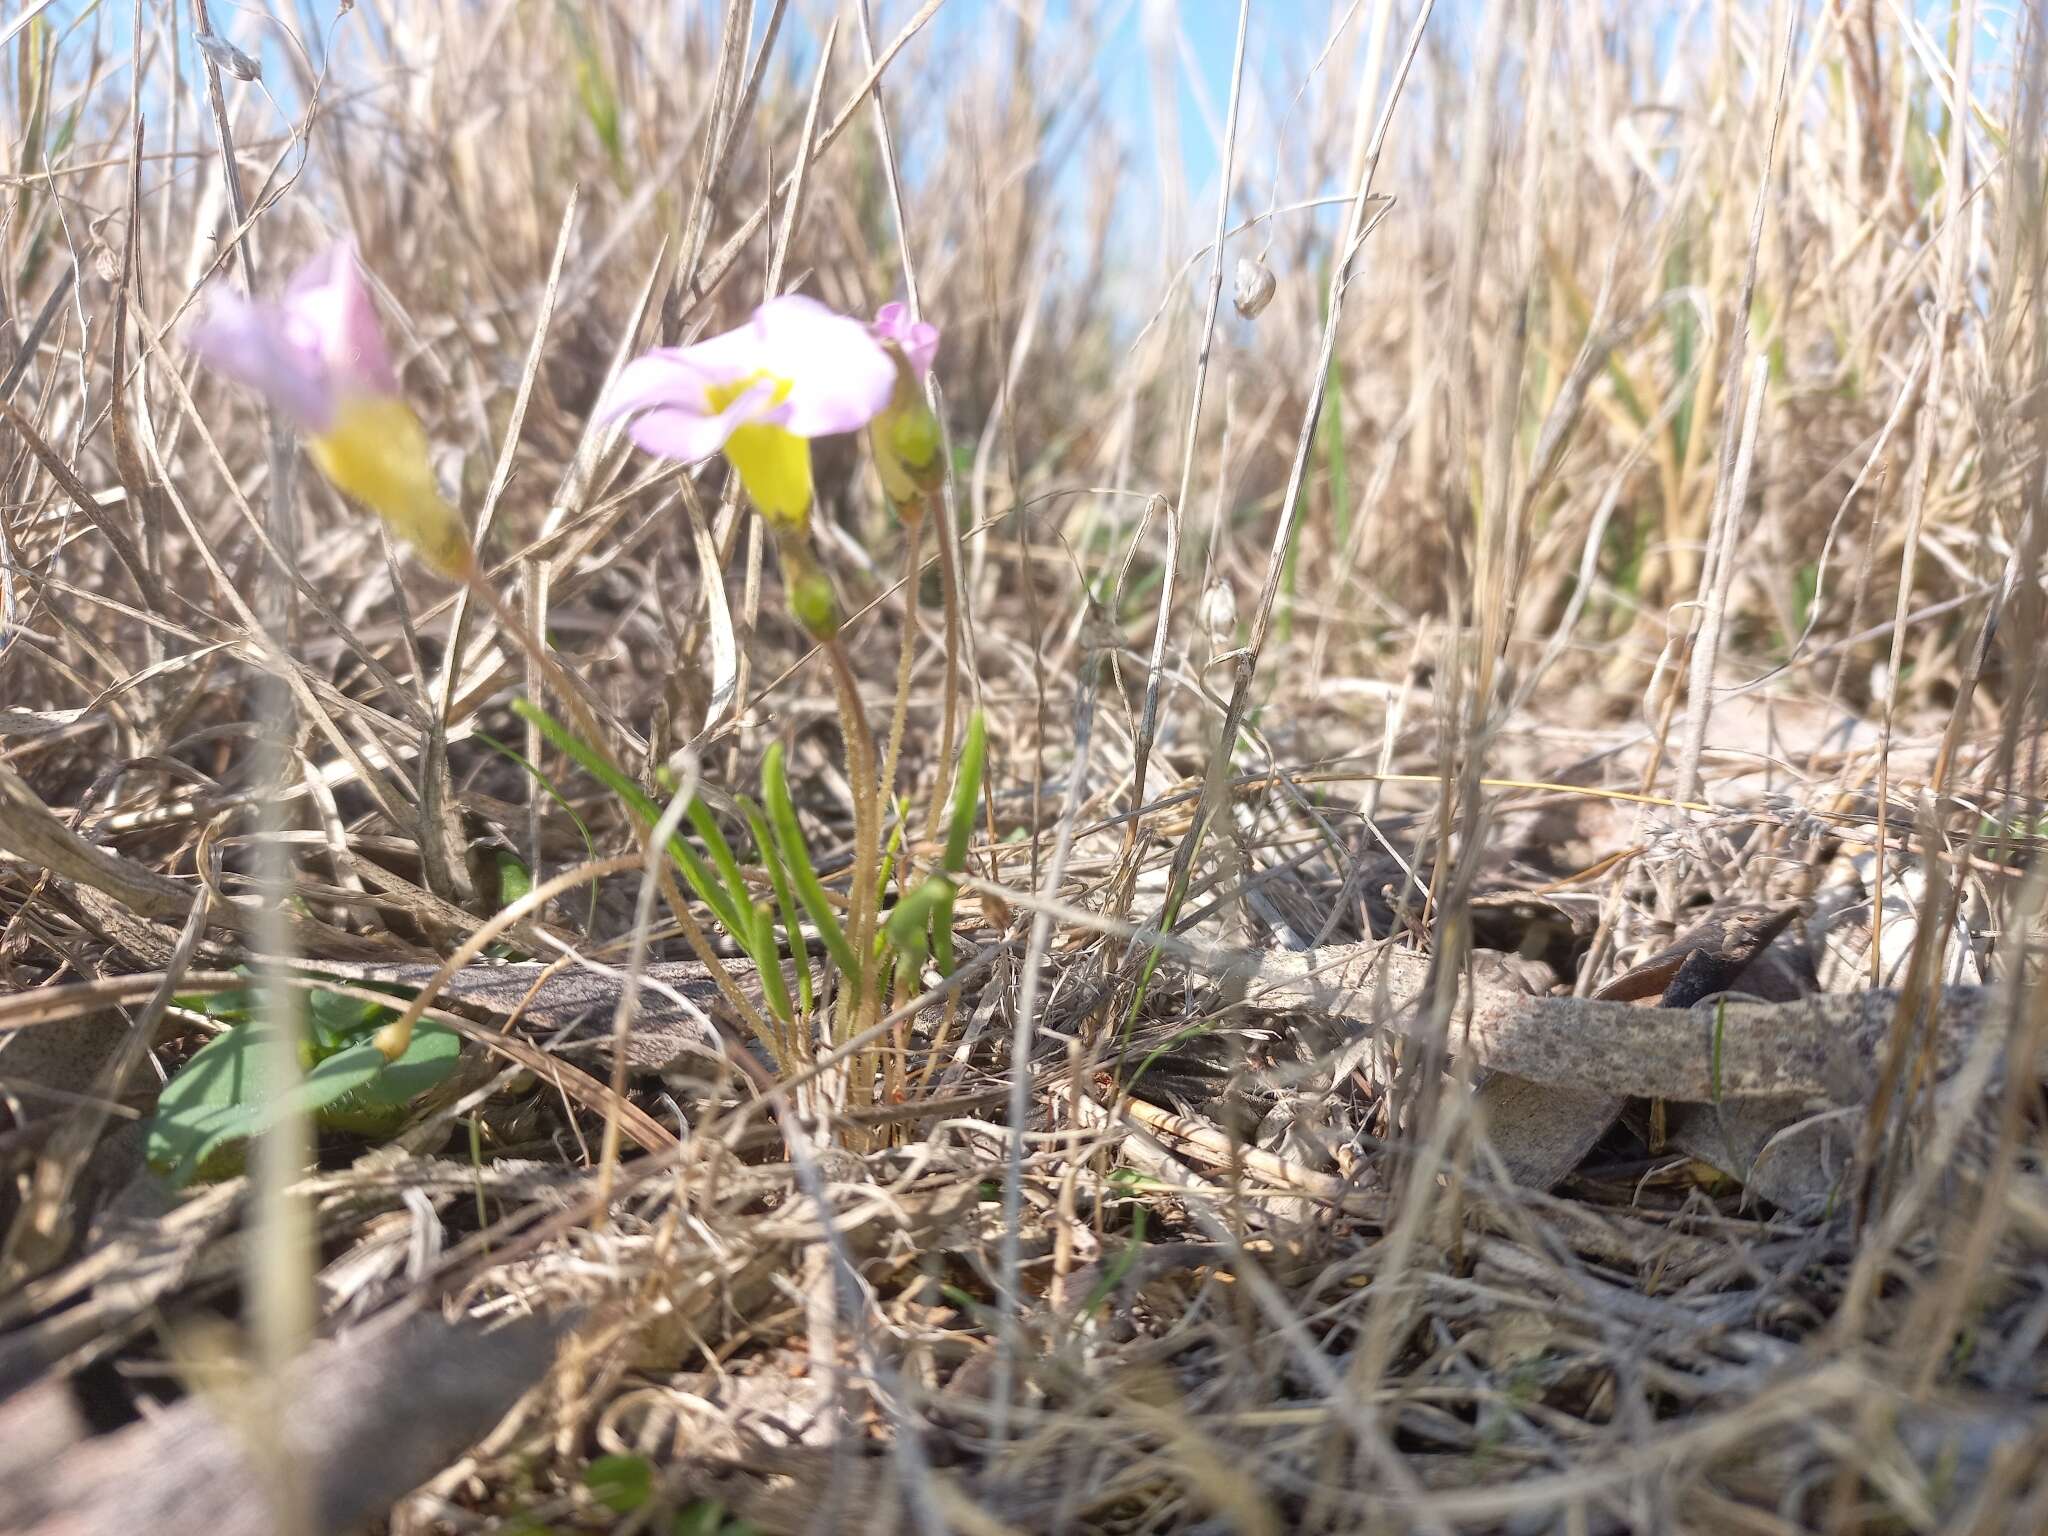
x=949 y=586
x=905 y=658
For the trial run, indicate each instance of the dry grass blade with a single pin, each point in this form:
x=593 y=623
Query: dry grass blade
x=1148 y=717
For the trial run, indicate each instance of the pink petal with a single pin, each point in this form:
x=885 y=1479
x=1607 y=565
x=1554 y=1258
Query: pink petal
x=331 y=311
x=671 y=416
x=729 y=356
x=669 y=434
x=837 y=377
x=665 y=377
x=918 y=340
x=840 y=376
x=256 y=345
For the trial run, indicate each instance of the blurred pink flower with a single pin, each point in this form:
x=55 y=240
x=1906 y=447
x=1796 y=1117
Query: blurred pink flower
x=308 y=352
x=917 y=340
x=318 y=356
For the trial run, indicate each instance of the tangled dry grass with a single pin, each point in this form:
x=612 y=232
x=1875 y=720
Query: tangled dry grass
x=1650 y=527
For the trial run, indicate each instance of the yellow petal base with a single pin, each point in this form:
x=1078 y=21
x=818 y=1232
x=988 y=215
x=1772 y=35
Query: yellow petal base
x=775 y=467
x=375 y=454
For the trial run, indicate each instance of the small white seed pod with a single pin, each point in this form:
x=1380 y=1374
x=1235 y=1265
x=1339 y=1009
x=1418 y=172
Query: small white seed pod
x=1255 y=285
x=228 y=57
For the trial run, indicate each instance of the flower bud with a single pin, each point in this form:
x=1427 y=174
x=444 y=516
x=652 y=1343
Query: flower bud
x=904 y=438
x=905 y=441
x=812 y=602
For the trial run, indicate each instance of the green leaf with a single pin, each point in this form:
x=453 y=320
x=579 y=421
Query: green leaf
x=621 y=1483
x=728 y=866
x=704 y=1517
x=588 y=759
x=959 y=834
x=380 y=1106
x=338 y=1018
x=219 y=1100
x=515 y=880
x=785 y=899
x=230 y=1004
x=910 y=919
x=942 y=932
x=767 y=959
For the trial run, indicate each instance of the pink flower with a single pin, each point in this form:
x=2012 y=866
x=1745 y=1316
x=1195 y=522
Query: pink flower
x=917 y=340
x=319 y=357
x=795 y=371
x=308 y=352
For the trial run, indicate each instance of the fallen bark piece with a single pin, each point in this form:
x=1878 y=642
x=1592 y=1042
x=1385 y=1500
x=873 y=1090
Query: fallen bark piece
x=1827 y=1046
x=369 y=1416
x=1543 y=1131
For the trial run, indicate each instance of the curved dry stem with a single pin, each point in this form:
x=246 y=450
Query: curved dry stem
x=393 y=1039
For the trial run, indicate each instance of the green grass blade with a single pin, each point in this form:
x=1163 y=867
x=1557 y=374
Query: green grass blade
x=785 y=899
x=695 y=871
x=789 y=838
x=942 y=930
x=767 y=957
x=967 y=793
x=721 y=855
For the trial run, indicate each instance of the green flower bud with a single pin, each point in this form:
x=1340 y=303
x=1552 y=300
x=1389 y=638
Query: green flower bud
x=812 y=601
x=905 y=442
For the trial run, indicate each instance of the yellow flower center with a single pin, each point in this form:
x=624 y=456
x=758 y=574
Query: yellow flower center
x=773 y=464
x=722 y=395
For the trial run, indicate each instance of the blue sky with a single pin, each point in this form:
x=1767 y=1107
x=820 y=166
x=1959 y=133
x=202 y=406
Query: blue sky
x=1285 y=37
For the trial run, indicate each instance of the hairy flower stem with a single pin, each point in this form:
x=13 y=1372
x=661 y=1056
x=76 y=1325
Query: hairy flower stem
x=905 y=658
x=858 y=1006
x=949 y=586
